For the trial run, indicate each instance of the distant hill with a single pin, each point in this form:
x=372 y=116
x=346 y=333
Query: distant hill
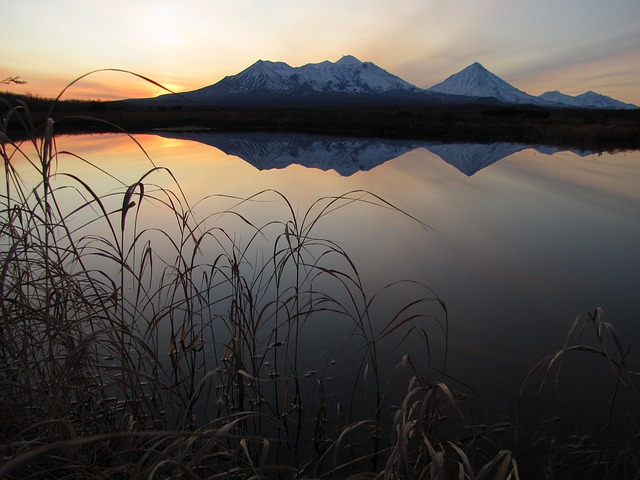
x=351 y=81
x=586 y=100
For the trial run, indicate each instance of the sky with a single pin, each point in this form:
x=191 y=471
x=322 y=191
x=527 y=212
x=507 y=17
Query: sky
x=568 y=45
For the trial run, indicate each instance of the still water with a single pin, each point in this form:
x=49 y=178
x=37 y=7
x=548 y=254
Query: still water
x=519 y=239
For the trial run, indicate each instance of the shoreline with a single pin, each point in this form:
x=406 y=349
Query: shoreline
x=585 y=129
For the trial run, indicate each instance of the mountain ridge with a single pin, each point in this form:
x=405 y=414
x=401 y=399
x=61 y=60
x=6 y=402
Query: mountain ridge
x=585 y=100
x=346 y=76
x=351 y=79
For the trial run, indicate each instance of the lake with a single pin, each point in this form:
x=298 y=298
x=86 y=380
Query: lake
x=507 y=244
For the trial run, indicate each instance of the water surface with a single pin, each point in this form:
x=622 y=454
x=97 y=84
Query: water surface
x=521 y=239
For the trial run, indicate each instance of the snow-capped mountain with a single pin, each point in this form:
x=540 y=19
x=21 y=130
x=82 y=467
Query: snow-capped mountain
x=477 y=81
x=346 y=76
x=586 y=100
x=267 y=83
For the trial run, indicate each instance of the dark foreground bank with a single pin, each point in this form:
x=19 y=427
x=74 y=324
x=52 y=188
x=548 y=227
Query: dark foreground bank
x=587 y=129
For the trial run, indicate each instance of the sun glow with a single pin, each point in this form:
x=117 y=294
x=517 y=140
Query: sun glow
x=162 y=27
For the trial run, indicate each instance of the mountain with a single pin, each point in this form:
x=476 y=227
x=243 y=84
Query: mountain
x=350 y=81
x=347 y=75
x=586 y=100
x=477 y=81
x=272 y=80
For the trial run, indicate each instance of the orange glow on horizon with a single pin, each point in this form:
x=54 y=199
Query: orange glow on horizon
x=102 y=85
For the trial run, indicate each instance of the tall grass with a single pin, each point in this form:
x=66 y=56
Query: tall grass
x=129 y=349
x=594 y=362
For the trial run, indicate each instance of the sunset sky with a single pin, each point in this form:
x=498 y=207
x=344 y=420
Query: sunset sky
x=567 y=45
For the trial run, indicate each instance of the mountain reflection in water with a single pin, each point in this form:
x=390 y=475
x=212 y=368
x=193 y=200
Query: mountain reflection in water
x=346 y=156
